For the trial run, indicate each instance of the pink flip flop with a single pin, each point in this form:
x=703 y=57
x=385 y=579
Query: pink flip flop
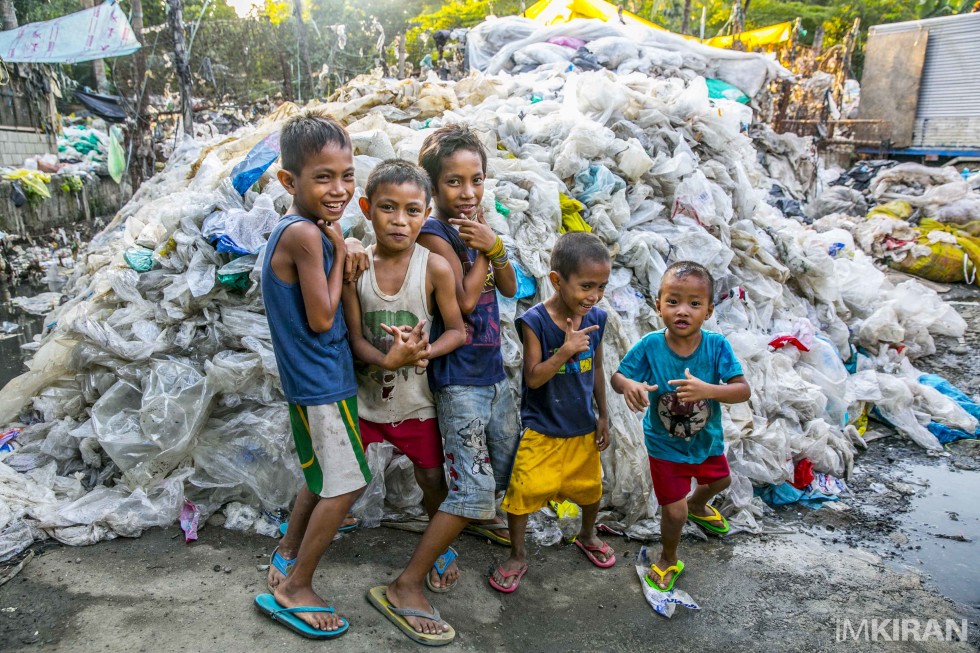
x=507 y=574
x=590 y=552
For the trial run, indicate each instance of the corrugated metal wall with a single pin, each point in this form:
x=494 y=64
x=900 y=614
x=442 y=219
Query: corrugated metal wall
x=949 y=95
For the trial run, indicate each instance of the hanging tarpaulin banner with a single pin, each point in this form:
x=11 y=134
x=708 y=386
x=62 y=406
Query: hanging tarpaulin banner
x=97 y=33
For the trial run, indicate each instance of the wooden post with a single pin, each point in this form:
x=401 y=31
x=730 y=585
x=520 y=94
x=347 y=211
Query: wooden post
x=686 y=18
x=140 y=165
x=98 y=66
x=845 y=63
x=8 y=15
x=401 y=56
x=175 y=17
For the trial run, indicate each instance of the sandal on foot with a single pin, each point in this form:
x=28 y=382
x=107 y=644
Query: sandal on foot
x=441 y=565
x=378 y=597
x=282 y=565
x=677 y=568
x=508 y=574
x=590 y=550
x=713 y=523
x=267 y=605
x=489 y=532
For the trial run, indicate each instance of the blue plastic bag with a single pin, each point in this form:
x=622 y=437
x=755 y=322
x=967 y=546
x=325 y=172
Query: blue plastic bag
x=526 y=285
x=256 y=162
x=944 y=433
x=597 y=180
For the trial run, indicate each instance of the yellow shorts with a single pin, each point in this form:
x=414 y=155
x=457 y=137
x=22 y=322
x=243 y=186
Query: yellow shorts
x=553 y=468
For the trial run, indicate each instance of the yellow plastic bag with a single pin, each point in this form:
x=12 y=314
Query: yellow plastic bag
x=571 y=215
x=947 y=262
x=34 y=180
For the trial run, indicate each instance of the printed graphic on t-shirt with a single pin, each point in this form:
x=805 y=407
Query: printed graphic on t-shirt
x=482 y=320
x=579 y=365
x=380 y=338
x=682 y=419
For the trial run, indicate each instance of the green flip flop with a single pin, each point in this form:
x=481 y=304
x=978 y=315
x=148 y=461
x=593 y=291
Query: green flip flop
x=677 y=568
x=714 y=523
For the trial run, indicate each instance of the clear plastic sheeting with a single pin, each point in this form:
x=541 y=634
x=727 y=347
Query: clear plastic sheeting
x=155 y=387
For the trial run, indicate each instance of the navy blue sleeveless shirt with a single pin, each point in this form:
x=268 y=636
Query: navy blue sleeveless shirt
x=314 y=368
x=478 y=361
x=562 y=407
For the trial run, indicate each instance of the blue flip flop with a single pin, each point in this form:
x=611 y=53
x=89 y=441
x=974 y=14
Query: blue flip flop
x=267 y=605
x=343 y=529
x=283 y=565
x=441 y=565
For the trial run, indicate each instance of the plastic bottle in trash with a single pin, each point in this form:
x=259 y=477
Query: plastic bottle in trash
x=256 y=162
x=965 y=173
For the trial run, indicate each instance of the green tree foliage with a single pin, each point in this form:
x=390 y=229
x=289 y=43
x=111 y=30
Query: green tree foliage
x=450 y=15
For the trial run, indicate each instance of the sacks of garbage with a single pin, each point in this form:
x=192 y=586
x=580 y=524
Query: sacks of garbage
x=156 y=383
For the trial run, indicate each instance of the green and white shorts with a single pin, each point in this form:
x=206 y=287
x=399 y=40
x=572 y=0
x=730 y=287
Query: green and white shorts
x=329 y=447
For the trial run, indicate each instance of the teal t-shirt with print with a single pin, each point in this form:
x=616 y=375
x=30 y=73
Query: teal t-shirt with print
x=675 y=430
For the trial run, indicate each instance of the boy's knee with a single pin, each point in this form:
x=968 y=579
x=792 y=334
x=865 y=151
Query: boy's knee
x=429 y=480
x=721 y=484
x=676 y=511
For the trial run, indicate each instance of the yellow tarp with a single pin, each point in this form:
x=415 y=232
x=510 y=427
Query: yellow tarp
x=552 y=12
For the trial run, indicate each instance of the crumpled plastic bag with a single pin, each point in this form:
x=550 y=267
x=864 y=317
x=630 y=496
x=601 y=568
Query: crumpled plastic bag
x=663 y=603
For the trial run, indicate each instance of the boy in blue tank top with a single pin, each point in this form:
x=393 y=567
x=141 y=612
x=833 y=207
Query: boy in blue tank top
x=681 y=375
x=302 y=275
x=558 y=457
x=476 y=408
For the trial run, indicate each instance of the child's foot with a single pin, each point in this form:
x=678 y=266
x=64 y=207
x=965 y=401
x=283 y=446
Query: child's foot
x=663 y=564
x=508 y=573
x=597 y=551
x=402 y=598
x=288 y=597
x=448 y=578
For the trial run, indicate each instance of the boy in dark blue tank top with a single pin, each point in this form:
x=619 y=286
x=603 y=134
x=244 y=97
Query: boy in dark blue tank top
x=302 y=275
x=558 y=457
x=476 y=408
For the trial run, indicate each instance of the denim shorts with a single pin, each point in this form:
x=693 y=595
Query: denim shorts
x=480 y=431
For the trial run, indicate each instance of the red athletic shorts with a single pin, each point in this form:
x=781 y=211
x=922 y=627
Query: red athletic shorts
x=672 y=481
x=419 y=439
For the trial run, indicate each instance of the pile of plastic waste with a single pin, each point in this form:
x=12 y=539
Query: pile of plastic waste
x=920 y=220
x=157 y=383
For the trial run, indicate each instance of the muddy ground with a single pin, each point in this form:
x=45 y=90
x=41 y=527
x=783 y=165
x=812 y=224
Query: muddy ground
x=904 y=541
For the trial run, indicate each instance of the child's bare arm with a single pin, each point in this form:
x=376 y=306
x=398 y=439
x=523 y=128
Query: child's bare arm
x=599 y=392
x=691 y=389
x=441 y=288
x=635 y=393
x=321 y=294
x=537 y=372
x=468 y=287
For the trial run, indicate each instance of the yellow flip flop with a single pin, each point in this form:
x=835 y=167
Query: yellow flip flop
x=378 y=597
x=677 y=568
x=714 y=523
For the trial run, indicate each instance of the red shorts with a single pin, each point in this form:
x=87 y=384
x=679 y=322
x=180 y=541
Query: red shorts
x=672 y=481
x=419 y=439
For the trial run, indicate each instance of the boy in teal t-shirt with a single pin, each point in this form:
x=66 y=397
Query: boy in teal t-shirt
x=681 y=376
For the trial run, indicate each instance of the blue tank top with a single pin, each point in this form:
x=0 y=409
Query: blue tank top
x=314 y=368
x=478 y=361
x=562 y=407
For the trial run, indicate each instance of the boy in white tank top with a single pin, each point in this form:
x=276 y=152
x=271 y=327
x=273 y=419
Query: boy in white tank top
x=388 y=314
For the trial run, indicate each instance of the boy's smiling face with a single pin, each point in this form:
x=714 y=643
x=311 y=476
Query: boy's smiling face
x=397 y=212
x=459 y=189
x=684 y=303
x=583 y=288
x=324 y=186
